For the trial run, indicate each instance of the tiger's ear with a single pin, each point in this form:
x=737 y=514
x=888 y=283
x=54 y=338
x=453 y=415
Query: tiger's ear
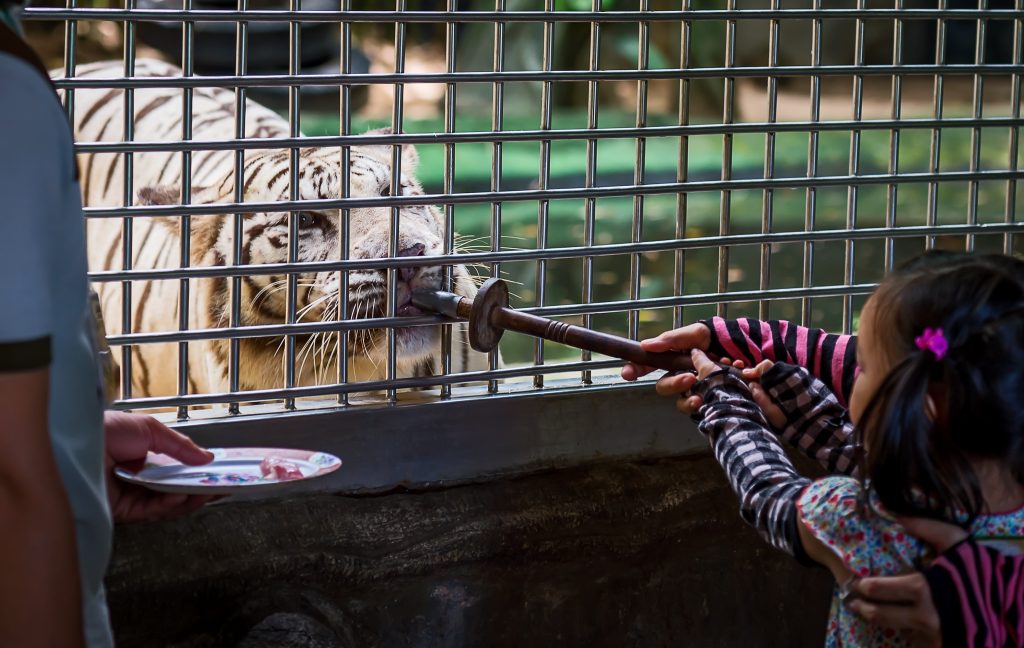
x=410 y=158
x=203 y=229
x=161 y=195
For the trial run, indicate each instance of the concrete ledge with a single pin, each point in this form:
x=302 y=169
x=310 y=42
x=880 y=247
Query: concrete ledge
x=413 y=444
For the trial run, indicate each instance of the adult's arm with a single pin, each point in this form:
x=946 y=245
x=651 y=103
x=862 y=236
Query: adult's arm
x=929 y=604
x=829 y=357
x=979 y=596
x=39 y=590
x=40 y=584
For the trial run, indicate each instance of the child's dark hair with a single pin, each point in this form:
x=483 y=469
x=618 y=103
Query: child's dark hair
x=918 y=458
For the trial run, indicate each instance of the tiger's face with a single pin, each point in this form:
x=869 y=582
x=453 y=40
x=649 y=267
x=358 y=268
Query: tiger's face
x=265 y=240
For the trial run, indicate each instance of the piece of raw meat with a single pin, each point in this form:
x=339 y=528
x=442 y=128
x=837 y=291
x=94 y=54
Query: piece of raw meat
x=279 y=469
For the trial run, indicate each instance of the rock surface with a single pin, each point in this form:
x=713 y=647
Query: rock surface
x=619 y=554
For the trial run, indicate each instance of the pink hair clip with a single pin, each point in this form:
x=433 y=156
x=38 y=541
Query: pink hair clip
x=933 y=340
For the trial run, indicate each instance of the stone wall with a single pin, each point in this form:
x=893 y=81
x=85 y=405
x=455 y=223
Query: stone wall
x=622 y=553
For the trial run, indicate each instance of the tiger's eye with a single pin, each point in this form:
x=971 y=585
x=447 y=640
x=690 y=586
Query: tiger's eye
x=306 y=219
x=386 y=190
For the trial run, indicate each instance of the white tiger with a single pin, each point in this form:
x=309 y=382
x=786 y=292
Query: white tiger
x=155 y=244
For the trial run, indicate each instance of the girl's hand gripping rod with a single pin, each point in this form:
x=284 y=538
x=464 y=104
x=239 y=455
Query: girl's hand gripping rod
x=489 y=316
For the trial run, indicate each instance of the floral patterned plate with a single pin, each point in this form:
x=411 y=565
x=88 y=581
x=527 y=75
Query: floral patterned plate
x=233 y=470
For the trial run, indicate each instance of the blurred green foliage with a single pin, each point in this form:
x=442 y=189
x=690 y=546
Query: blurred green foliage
x=616 y=161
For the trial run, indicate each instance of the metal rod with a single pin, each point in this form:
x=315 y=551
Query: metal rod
x=725 y=197
x=542 y=135
x=450 y=95
x=589 y=177
x=70 y=50
x=294 y=158
x=406 y=17
x=333 y=80
x=1015 y=92
x=554 y=194
x=977 y=107
x=345 y=215
x=497 y=125
x=241 y=67
x=682 y=164
x=489 y=316
x=767 y=195
x=396 y=190
x=935 y=144
x=853 y=168
x=811 y=196
x=544 y=179
x=184 y=223
x=896 y=109
x=611 y=249
x=128 y=199
x=639 y=173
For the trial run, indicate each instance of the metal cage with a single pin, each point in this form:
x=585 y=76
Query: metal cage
x=790 y=152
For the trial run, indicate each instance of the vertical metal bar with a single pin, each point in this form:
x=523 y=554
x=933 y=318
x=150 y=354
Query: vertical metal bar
x=725 y=200
x=768 y=195
x=128 y=199
x=853 y=168
x=450 y=90
x=643 y=62
x=70 y=51
x=294 y=59
x=497 y=124
x=977 y=110
x=810 y=204
x=935 y=145
x=396 y=190
x=682 y=164
x=894 y=134
x=241 y=68
x=544 y=180
x=345 y=182
x=1011 y=184
x=590 y=204
x=185 y=222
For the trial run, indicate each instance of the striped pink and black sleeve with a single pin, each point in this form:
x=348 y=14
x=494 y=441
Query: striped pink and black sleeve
x=832 y=358
x=979 y=594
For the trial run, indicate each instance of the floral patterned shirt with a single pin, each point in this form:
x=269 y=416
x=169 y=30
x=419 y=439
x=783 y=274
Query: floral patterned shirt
x=870 y=542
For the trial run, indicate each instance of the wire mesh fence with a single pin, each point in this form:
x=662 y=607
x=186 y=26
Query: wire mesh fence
x=627 y=165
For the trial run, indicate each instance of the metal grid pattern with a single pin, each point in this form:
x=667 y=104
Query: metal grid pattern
x=757 y=283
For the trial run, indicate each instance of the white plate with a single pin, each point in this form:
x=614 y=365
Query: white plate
x=233 y=470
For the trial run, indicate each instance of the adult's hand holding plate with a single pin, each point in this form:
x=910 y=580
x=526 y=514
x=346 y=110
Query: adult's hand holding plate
x=233 y=471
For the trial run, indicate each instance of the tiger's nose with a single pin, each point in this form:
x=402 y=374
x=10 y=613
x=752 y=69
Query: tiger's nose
x=408 y=272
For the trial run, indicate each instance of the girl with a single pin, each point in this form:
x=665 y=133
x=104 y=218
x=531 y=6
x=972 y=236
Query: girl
x=941 y=358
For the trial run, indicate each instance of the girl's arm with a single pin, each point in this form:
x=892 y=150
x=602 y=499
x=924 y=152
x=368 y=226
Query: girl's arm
x=816 y=424
x=832 y=358
x=754 y=461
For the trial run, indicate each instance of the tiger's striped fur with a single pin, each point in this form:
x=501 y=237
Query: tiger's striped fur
x=99 y=116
